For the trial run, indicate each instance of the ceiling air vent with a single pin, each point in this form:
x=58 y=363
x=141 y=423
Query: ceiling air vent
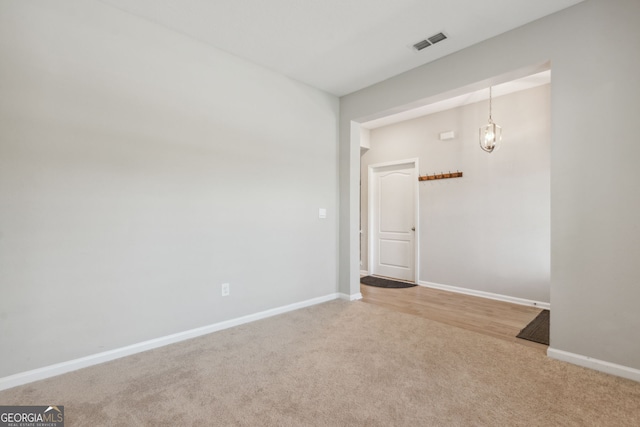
x=437 y=38
x=421 y=45
x=429 y=41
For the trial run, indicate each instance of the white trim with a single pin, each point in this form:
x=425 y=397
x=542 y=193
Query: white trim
x=489 y=295
x=364 y=273
x=416 y=213
x=106 y=356
x=352 y=297
x=595 y=364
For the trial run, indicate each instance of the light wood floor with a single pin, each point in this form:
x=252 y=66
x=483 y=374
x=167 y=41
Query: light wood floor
x=489 y=317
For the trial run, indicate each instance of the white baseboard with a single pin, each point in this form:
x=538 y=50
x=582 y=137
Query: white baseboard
x=595 y=364
x=488 y=295
x=364 y=273
x=95 y=359
x=352 y=297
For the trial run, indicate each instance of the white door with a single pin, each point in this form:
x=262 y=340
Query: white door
x=393 y=199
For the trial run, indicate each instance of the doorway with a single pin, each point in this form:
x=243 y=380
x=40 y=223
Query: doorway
x=488 y=232
x=393 y=226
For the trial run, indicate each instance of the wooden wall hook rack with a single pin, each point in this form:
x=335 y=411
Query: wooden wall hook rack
x=441 y=175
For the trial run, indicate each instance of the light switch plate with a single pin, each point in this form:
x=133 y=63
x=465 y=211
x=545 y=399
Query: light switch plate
x=322 y=213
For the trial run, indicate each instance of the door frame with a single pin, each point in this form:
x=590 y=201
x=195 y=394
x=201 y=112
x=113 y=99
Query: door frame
x=416 y=212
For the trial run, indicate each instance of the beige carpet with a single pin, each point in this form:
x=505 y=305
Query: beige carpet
x=339 y=364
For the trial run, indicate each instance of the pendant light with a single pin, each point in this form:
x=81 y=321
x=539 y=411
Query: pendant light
x=491 y=133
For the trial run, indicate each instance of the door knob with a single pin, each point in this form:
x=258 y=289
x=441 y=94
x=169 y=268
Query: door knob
x=413 y=229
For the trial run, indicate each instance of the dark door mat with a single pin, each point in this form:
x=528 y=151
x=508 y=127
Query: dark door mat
x=384 y=283
x=538 y=329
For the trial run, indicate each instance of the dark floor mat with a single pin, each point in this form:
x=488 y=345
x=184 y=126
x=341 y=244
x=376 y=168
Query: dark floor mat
x=384 y=283
x=538 y=329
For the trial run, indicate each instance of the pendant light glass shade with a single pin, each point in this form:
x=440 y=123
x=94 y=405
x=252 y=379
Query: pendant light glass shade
x=491 y=133
x=490 y=136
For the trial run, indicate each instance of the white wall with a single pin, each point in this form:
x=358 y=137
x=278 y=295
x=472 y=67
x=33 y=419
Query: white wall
x=139 y=170
x=593 y=48
x=489 y=230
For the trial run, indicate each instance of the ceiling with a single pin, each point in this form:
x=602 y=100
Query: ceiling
x=339 y=46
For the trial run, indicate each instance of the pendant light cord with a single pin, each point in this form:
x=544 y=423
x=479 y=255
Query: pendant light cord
x=490 y=119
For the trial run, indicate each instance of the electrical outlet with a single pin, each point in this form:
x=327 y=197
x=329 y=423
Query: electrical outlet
x=225 y=289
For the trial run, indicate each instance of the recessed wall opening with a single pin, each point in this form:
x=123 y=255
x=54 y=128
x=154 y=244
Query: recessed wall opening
x=489 y=231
